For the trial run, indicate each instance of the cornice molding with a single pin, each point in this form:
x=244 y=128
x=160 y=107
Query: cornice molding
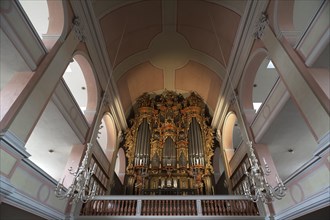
x=30 y=165
x=11 y=141
x=323 y=145
x=6 y=188
x=313 y=203
x=21 y=201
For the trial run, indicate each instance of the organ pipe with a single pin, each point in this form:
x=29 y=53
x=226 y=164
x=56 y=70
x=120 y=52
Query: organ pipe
x=167 y=153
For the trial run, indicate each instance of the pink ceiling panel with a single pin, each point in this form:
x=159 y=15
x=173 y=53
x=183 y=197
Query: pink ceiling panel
x=197 y=77
x=138 y=80
x=138 y=23
x=205 y=25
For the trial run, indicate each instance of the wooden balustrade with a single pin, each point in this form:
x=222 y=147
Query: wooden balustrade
x=229 y=207
x=170 y=206
x=109 y=207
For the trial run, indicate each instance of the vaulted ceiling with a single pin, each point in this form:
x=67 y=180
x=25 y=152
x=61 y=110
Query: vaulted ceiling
x=175 y=45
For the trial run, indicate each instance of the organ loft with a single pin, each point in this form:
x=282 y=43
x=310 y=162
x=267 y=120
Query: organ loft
x=169 y=146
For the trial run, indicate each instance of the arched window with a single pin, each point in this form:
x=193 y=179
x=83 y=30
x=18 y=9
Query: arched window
x=75 y=80
x=264 y=82
x=107 y=136
x=80 y=79
x=227 y=133
x=259 y=78
x=47 y=18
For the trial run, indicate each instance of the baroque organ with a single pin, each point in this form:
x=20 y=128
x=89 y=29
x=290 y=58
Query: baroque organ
x=169 y=146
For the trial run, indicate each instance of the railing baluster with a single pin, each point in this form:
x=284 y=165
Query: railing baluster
x=156 y=207
x=162 y=207
x=208 y=207
x=189 y=205
x=212 y=207
x=180 y=207
x=143 y=208
x=171 y=209
x=184 y=207
x=224 y=207
x=121 y=207
x=148 y=207
x=215 y=205
x=125 y=207
x=129 y=208
x=193 y=205
x=118 y=207
x=175 y=207
x=166 y=207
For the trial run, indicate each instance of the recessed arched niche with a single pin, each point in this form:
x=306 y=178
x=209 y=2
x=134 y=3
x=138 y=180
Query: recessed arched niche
x=107 y=135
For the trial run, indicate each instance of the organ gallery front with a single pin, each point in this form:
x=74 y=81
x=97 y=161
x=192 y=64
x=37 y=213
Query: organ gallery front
x=169 y=146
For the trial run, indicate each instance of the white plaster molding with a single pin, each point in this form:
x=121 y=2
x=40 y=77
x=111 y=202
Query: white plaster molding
x=119 y=112
x=277 y=30
x=324 y=8
x=260 y=26
x=10 y=140
x=323 y=144
x=34 y=167
x=18 y=43
x=6 y=188
x=311 y=204
x=21 y=201
x=11 y=196
x=318 y=48
x=23 y=35
x=65 y=29
x=304 y=168
x=79 y=29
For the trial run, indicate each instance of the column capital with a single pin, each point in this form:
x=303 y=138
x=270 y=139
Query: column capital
x=261 y=25
x=78 y=29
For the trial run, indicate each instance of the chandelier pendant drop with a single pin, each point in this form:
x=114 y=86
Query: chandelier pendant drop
x=79 y=189
x=256 y=186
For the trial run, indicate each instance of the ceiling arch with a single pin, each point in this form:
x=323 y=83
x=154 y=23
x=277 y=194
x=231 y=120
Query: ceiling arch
x=175 y=45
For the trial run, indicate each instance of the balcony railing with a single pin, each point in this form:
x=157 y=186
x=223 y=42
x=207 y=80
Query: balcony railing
x=189 y=206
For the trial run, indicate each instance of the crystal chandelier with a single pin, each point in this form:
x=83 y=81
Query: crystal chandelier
x=79 y=189
x=256 y=187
